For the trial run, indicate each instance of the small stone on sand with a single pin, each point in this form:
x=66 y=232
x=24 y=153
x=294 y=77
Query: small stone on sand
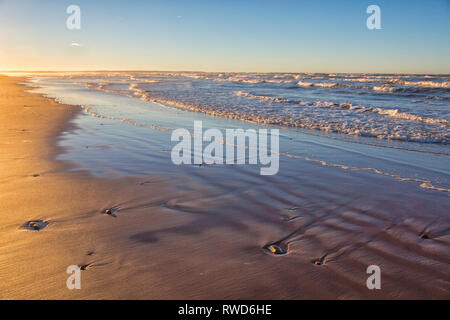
x=35 y=225
x=273 y=248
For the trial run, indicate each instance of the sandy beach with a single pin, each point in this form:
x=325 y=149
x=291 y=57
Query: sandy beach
x=172 y=236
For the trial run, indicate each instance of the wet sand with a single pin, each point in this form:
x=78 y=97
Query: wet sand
x=173 y=237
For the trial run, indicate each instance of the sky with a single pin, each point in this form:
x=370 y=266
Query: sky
x=227 y=35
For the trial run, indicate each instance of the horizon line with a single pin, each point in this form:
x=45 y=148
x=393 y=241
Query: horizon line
x=200 y=71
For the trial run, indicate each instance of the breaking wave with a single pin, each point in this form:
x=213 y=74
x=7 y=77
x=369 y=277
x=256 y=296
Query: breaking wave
x=412 y=108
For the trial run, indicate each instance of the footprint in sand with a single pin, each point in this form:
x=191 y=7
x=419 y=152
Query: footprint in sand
x=35 y=225
x=289 y=216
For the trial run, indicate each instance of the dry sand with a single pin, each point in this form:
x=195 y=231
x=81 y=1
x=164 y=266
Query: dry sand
x=167 y=242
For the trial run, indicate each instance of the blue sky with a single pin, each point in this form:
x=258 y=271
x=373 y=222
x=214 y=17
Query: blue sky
x=227 y=35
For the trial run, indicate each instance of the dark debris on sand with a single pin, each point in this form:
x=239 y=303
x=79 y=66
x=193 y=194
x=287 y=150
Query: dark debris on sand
x=320 y=261
x=35 y=225
x=110 y=212
x=275 y=249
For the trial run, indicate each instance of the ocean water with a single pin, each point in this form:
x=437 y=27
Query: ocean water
x=385 y=107
x=395 y=126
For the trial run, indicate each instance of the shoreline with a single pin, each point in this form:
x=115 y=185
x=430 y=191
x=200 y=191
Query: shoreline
x=48 y=132
x=175 y=238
